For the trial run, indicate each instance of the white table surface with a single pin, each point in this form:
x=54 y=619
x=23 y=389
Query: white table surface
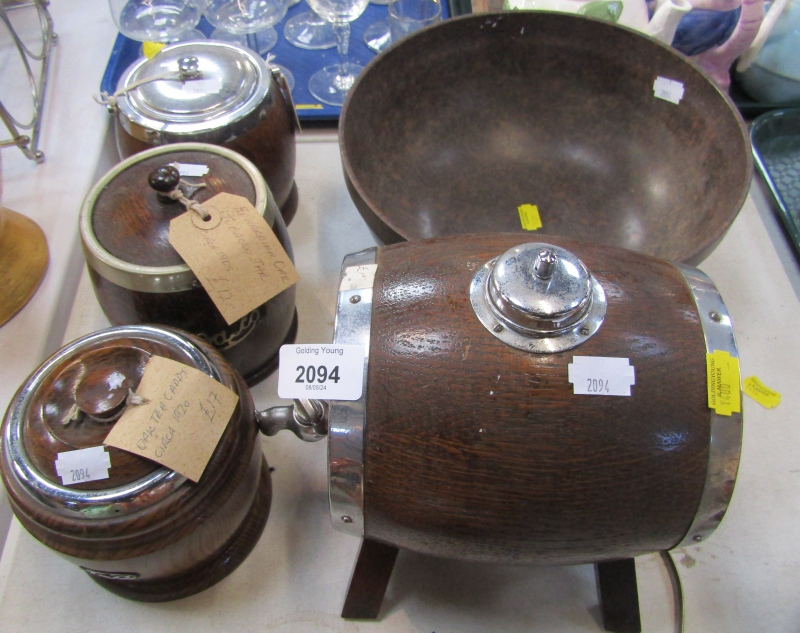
x=74 y=140
x=743 y=579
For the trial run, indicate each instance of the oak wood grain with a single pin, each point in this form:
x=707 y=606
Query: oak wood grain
x=131 y=222
x=479 y=451
x=156 y=545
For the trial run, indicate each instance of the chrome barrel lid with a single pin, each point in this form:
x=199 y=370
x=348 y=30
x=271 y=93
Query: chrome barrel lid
x=539 y=298
x=62 y=407
x=540 y=288
x=207 y=91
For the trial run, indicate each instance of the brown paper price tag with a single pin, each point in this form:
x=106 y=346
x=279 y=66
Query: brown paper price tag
x=234 y=254
x=179 y=425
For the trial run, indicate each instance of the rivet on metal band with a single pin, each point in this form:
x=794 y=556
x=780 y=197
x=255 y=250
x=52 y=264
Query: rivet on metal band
x=726 y=431
x=347 y=420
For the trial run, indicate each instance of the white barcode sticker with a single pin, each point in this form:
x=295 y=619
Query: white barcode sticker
x=668 y=90
x=86 y=464
x=601 y=376
x=191 y=171
x=326 y=372
x=209 y=86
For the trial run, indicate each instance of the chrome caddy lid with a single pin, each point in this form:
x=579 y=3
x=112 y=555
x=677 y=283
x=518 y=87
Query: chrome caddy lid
x=206 y=91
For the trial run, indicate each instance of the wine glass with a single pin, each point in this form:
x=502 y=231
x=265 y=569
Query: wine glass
x=155 y=20
x=408 y=16
x=310 y=31
x=405 y=17
x=330 y=85
x=377 y=36
x=249 y=22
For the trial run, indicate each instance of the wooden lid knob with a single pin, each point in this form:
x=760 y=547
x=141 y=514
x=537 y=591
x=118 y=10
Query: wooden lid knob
x=130 y=214
x=76 y=407
x=164 y=180
x=101 y=394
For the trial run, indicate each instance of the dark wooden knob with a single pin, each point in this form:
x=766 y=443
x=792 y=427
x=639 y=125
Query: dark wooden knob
x=101 y=394
x=164 y=179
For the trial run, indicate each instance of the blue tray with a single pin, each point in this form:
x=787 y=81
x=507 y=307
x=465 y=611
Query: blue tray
x=302 y=63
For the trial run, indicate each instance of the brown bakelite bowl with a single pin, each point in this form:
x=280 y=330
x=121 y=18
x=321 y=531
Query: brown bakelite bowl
x=452 y=129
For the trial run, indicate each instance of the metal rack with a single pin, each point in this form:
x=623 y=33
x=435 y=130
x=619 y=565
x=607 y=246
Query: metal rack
x=25 y=135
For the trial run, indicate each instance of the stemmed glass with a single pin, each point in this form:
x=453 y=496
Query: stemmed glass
x=155 y=20
x=377 y=36
x=330 y=85
x=405 y=17
x=250 y=23
x=247 y=21
x=308 y=30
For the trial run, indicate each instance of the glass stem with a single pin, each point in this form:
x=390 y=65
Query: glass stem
x=342 y=32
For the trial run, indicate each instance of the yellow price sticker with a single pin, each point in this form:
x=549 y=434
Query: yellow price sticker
x=308 y=106
x=149 y=49
x=759 y=392
x=724 y=394
x=529 y=216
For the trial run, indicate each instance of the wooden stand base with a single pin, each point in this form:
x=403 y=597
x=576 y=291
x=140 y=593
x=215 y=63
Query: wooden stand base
x=619 y=596
x=616 y=588
x=369 y=580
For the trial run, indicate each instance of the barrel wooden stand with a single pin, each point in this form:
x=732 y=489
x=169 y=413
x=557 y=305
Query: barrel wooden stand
x=504 y=461
x=369 y=580
x=618 y=595
x=616 y=588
